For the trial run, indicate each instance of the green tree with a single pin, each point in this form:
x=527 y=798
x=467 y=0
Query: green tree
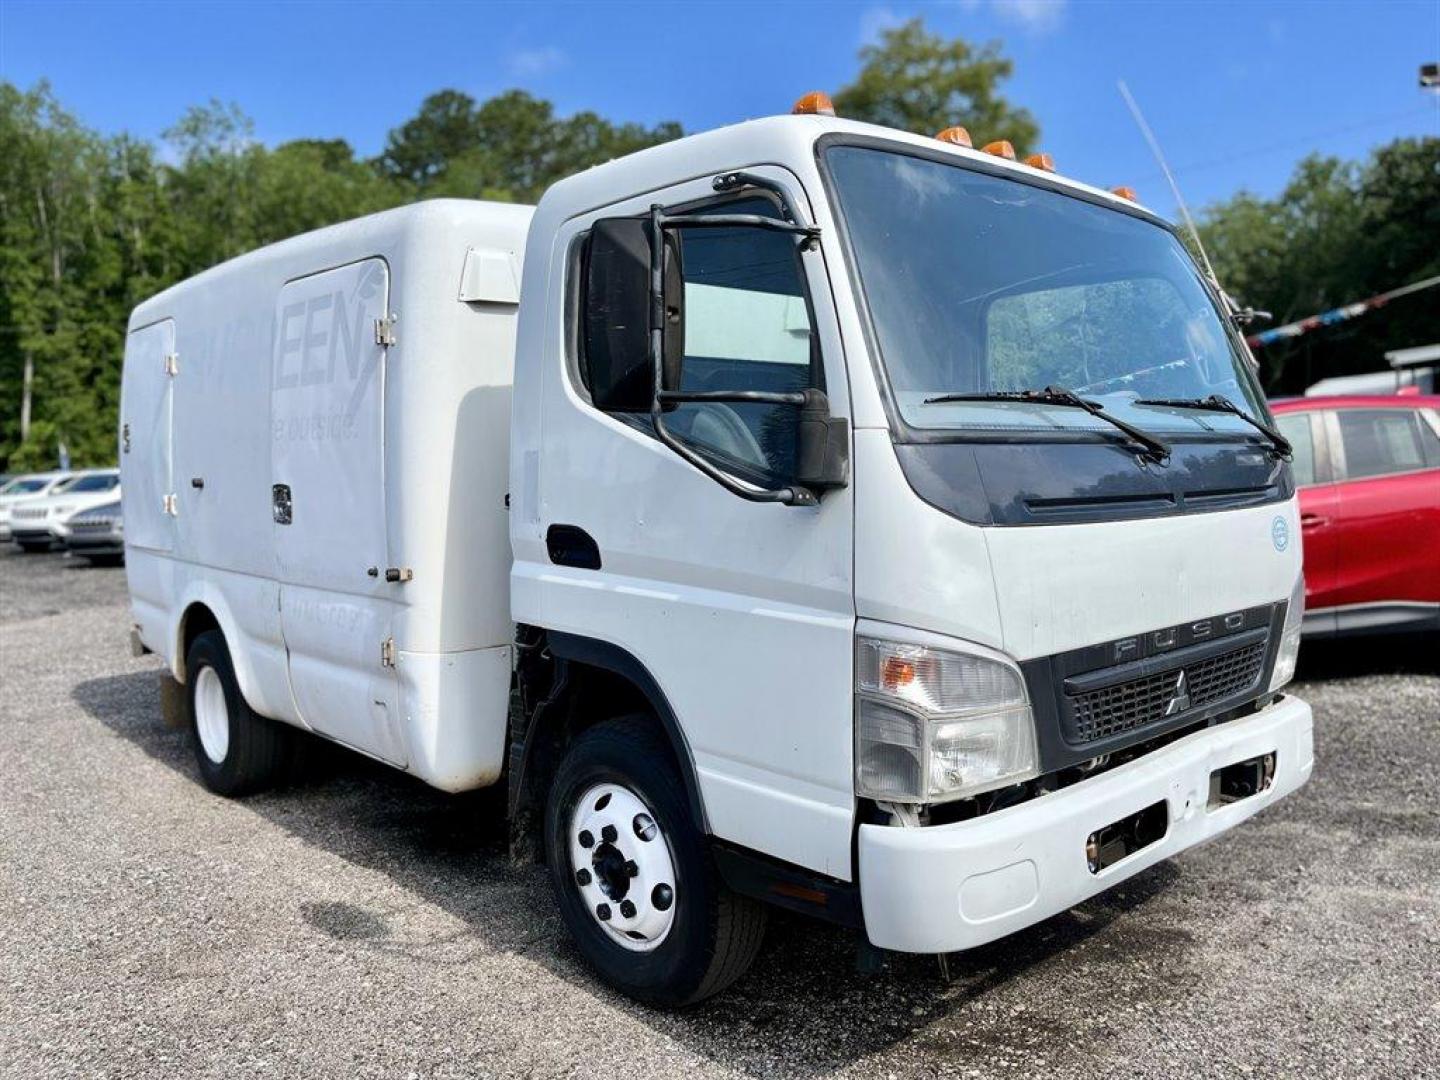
x=510 y=147
x=1338 y=233
x=921 y=82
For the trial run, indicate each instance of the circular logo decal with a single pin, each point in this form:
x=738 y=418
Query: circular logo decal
x=1280 y=534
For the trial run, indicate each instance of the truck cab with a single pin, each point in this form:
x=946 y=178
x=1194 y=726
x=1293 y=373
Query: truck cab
x=885 y=467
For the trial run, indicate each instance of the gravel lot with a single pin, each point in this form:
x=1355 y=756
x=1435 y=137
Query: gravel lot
x=361 y=924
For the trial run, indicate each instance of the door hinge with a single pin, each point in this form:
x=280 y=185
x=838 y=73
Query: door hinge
x=169 y=506
x=172 y=363
x=385 y=330
x=387 y=652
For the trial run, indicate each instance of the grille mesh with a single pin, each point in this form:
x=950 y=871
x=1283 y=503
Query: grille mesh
x=1129 y=705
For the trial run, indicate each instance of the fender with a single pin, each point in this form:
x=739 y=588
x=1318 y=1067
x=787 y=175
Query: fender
x=241 y=646
x=610 y=657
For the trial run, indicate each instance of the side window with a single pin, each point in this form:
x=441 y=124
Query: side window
x=1380 y=441
x=747 y=327
x=1296 y=429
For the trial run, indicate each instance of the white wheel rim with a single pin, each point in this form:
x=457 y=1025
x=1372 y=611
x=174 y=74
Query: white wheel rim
x=621 y=864
x=212 y=718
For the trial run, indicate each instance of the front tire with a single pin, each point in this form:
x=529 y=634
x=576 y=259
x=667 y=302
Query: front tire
x=238 y=751
x=33 y=547
x=633 y=875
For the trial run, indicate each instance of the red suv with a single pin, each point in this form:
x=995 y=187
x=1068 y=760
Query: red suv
x=1368 y=469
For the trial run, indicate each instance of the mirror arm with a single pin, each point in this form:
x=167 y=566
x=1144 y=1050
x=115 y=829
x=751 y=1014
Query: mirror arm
x=788 y=496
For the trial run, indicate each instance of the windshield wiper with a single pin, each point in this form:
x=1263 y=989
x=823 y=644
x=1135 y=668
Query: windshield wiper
x=1154 y=448
x=1216 y=403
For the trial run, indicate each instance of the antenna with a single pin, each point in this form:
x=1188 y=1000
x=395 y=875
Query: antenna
x=1165 y=168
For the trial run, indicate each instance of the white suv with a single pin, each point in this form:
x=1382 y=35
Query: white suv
x=29 y=486
x=37 y=523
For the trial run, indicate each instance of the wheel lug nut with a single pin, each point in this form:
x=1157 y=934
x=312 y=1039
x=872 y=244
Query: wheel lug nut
x=631 y=870
x=582 y=877
x=586 y=840
x=608 y=834
x=662 y=896
x=627 y=909
x=644 y=826
x=602 y=912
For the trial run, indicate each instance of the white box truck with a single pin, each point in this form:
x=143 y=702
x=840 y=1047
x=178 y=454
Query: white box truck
x=803 y=513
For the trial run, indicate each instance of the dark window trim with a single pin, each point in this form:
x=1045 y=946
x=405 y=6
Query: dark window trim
x=903 y=432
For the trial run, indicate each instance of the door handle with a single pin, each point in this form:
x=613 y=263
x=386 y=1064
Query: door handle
x=1313 y=521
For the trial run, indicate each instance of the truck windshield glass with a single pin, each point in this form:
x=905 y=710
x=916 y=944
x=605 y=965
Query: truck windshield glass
x=977 y=284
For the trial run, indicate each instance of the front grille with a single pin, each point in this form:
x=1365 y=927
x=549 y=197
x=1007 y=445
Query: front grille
x=92 y=525
x=1112 y=710
x=21 y=514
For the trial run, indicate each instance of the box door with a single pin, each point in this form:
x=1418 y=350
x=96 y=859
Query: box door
x=329 y=505
x=146 y=468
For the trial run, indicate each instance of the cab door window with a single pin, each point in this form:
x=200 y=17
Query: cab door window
x=748 y=326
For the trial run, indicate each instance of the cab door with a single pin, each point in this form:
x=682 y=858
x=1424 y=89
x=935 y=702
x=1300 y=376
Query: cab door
x=742 y=612
x=329 y=504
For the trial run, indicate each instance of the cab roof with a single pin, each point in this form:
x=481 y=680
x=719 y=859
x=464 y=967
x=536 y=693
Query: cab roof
x=776 y=140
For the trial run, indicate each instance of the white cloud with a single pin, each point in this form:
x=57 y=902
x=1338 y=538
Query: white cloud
x=875 y=20
x=1031 y=14
x=532 y=62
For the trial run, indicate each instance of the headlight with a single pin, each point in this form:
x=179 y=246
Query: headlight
x=1289 y=650
x=934 y=725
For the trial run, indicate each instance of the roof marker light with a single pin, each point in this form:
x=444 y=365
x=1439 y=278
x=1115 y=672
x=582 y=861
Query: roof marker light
x=1041 y=161
x=1001 y=148
x=815 y=103
x=1125 y=193
x=956 y=136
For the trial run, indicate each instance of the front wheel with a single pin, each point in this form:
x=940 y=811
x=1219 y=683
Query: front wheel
x=633 y=875
x=34 y=547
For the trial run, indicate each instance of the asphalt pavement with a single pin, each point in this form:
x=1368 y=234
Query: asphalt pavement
x=360 y=924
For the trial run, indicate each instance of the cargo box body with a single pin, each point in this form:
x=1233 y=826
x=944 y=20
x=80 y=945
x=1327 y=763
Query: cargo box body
x=314 y=453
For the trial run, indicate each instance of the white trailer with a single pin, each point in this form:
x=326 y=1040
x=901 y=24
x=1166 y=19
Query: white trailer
x=802 y=513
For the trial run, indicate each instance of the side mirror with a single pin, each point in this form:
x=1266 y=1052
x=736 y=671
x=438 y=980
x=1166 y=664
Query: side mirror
x=616 y=316
x=822 y=458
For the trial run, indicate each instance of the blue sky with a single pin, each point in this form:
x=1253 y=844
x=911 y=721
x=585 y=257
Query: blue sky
x=1236 y=92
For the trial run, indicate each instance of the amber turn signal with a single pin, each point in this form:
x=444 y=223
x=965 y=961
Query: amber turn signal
x=1041 y=161
x=1125 y=193
x=1001 y=148
x=957 y=136
x=814 y=103
x=897 y=673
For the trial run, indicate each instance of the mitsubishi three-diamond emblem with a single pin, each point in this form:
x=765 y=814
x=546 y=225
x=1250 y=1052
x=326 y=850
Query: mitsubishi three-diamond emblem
x=1180 y=699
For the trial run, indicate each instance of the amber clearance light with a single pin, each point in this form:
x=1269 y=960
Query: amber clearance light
x=1041 y=161
x=815 y=103
x=1125 y=193
x=956 y=136
x=1000 y=148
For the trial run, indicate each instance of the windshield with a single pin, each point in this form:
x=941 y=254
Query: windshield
x=95 y=482
x=978 y=284
x=23 y=487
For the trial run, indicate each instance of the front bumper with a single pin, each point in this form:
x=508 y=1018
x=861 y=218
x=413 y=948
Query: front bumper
x=951 y=887
x=32 y=532
x=89 y=543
